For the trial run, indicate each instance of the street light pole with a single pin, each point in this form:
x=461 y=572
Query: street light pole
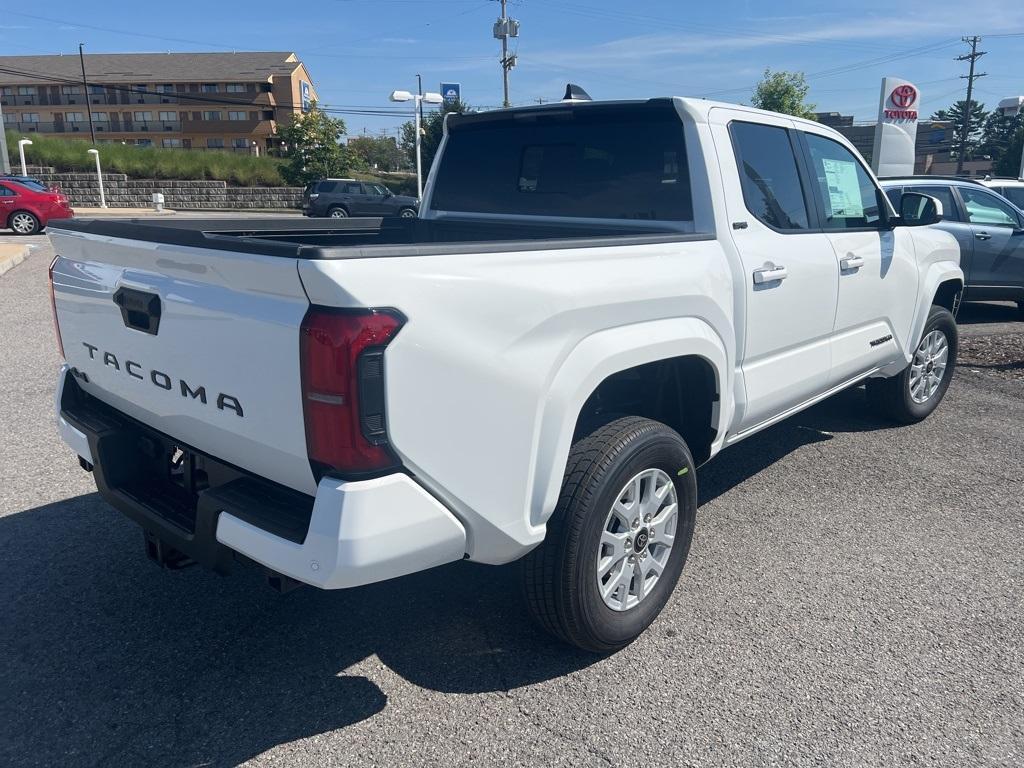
x=418 y=100
x=99 y=175
x=21 y=151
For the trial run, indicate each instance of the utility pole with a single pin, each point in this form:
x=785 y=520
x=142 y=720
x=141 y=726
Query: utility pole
x=504 y=28
x=5 y=161
x=85 y=87
x=972 y=57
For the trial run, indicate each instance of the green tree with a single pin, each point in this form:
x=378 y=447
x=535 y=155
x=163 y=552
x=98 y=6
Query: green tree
x=1009 y=163
x=314 y=148
x=432 y=128
x=975 y=126
x=998 y=134
x=378 y=152
x=784 y=92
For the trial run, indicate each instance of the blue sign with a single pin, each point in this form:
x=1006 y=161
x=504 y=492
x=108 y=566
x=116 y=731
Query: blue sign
x=451 y=92
x=306 y=94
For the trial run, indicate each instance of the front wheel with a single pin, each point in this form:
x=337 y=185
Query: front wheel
x=24 y=223
x=337 y=212
x=407 y=213
x=912 y=395
x=618 y=538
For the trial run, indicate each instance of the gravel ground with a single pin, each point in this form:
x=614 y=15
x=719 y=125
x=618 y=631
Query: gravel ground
x=853 y=597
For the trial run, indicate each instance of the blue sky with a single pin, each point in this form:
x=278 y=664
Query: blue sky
x=360 y=50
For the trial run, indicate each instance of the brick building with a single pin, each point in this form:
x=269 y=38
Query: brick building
x=208 y=101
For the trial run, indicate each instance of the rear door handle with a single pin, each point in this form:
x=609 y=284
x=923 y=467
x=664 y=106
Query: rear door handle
x=769 y=273
x=983 y=235
x=852 y=262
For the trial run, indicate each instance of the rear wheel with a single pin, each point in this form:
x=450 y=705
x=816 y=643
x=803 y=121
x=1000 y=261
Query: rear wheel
x=618 y=538
x=913 y=394
x=23 y=223
x=337 y=212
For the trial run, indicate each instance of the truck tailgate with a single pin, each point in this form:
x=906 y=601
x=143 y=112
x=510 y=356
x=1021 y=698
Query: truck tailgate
x=199 y=344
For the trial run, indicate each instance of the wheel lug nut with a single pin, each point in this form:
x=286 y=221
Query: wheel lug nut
x=647 y=518
x=636 y=522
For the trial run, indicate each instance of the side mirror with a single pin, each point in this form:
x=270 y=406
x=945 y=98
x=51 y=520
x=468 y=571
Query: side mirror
x=917 y=210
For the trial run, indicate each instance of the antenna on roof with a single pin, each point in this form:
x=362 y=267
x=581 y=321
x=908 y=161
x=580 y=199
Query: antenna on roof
x=573 y=92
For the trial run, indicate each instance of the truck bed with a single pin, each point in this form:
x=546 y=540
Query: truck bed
x=355 y=238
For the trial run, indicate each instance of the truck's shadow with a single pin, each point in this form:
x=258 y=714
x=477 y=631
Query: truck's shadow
x=108 y=659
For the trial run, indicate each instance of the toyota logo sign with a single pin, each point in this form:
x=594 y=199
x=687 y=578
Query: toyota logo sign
x=903 y=99
x=903 y=96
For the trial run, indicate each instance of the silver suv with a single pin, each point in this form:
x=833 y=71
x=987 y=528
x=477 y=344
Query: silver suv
x=988 y=227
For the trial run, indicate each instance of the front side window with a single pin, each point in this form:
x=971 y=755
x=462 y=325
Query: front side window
x=375 y=189
x=846 y=194
x=985 y=208
x=588 y=161
x=944 y=195
x=353 y=188
x=768 y=174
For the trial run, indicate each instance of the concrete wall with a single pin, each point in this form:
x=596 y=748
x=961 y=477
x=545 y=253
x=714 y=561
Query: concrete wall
x=122 y=192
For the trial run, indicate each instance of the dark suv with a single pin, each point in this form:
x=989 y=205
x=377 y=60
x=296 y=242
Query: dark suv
x=340 y=198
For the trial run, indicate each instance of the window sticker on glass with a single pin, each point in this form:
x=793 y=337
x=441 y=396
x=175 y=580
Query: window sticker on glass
x=843 y=188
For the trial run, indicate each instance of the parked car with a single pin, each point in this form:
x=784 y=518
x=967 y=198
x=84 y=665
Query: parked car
x=595 y=300
x=341 y=198
x=26 y=209
x=988 y=227
x=1011 y=189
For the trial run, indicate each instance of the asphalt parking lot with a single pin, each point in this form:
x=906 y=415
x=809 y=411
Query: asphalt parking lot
x=853 y=597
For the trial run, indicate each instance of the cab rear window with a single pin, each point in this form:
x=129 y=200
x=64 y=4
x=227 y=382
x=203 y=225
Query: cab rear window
x=600 y=161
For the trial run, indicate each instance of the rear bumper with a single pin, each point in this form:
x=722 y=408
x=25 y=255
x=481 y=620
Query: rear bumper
x=349 y=534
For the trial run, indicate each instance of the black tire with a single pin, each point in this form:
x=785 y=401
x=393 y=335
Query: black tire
x=559 y=577
x=32 y=226
x=337 y=212
x=407 y=213
x=892 y=397
x=1020 y=309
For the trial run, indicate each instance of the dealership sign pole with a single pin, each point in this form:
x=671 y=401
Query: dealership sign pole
x=896 y=130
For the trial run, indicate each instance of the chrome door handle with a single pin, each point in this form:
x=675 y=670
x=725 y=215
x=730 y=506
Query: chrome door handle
x=851 y=262
x=769 y=273
x=983 y=235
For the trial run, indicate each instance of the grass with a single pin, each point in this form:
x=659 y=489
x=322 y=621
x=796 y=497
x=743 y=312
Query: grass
x=150 y=162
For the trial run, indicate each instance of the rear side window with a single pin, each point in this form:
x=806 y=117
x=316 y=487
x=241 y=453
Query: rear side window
x=769 y=176
x=944 y=195
x=325 y=187
x=6 y=191
x=581 y=162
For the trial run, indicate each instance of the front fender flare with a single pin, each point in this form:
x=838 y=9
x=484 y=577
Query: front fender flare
x=936 y=274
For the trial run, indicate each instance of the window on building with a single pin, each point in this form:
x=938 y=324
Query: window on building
x=209 y=87
x=165 y=88
x=211 y=115
x=74 y=117
x=96 y=90
x=140 y=88
x=168 y=116
x=213 y=143
x=237 y=115
x=70 y=90
x=235 y=88
x=240 y=143
x=768 y=175
x=100 y=117
x=26 y=90
x=6 y=90
x=143 y=117
x=30 y=117
x=144 y=142
x=170 y=143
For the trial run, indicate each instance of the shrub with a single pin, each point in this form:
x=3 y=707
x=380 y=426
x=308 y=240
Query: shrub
x=150 y=162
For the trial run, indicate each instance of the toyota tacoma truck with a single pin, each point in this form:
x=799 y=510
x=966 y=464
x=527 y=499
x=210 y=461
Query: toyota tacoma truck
x=595 y=299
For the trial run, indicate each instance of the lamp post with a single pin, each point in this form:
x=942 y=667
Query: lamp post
x=417 y=99
x=21 y=151
x=99 y=175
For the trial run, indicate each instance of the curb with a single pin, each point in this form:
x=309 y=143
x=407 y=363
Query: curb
x=11 y=256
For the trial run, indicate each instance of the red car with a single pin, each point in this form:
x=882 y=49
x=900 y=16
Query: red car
x=26 y=206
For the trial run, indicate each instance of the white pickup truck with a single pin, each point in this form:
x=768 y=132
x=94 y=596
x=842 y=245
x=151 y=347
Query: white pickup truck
x=595 y=299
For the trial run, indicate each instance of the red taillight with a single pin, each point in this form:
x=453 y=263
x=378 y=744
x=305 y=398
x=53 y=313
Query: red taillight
x=53 y=307
x=341 y=354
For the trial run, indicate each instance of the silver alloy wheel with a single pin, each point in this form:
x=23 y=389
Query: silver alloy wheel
x=637 y=539
x=928 y=366
x=338 y=213
x=23 y=223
